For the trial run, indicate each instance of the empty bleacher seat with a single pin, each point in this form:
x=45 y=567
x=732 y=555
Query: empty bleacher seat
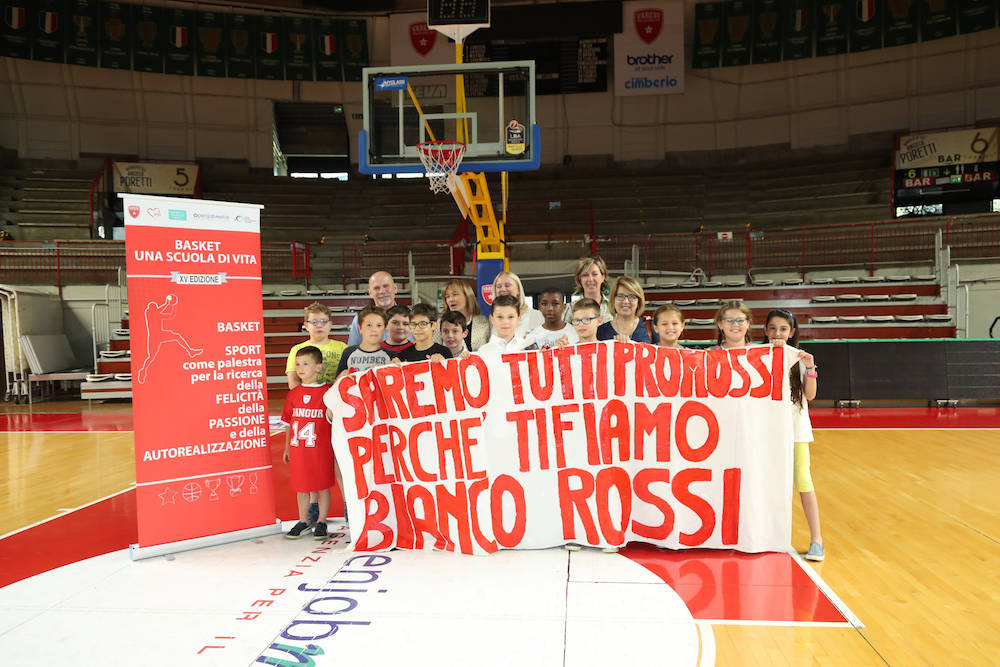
x=846 y=279
x=701 y=320
x=823 y=319
x=291 y=292
x=879 y=318
x=909 y=318
x=712 y=283
x=904 y=297
x=708 y=302
x=689 y=283
x=792 y=281
x=735 y=283
x=938 y=317
x=821 y=281
x=876 y=297
x=267 y=292
x=315 y=292
x=852 y=318
x=666 y=284
x=925 y=277
x=849 y=297
x=824 y=298
x=873 y=279
x=684 y=302
x=762 y=282
x=900 y=278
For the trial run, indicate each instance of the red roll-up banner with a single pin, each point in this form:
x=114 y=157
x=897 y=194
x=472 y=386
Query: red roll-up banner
x=199 y=386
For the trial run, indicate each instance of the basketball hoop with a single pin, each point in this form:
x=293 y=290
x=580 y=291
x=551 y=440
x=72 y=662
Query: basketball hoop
x=441 y=160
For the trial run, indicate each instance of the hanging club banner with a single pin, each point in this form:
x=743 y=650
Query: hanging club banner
x=596 y=444
x=203 y=465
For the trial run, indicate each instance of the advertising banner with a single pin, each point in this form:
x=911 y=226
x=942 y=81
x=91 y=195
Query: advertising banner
x=328 y=50
x=203 y=465
x=649 y=51
x=299 y=45
x=866 y=25
x=147 y=39
x=767 y=32
x=116 y=47
x=210 y=47
x=270 y=48
x=155 y=179
x=901 y=22
x=800 y=17
x=707 y=35
x=240 y=55
x=81 y=49
x=596 y=444
x=50 y=31
x=355 y=43
x=180 y=42
x=948 y=148
x=976 y=15
x=831 y=32
x=737 y=39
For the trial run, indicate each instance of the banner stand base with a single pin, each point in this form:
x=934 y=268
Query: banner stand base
x=137 y=552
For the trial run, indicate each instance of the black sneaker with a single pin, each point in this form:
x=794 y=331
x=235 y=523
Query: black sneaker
x=313 y=513
x=296 y=531
x=319 y=532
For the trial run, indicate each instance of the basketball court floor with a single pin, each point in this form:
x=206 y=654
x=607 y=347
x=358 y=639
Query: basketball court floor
x=912 y=575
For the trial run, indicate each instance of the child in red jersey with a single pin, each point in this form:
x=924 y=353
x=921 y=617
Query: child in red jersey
x=308 y=449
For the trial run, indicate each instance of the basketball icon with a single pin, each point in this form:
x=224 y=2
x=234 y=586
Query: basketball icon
x=191 y=491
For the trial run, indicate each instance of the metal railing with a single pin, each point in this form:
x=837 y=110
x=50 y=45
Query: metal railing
x=867 y=244
x=62 y=263
x=359 y=260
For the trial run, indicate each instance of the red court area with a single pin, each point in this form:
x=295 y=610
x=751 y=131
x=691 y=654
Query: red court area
x=715 y=585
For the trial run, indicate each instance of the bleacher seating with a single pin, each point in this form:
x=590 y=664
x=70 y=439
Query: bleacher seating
x=45 y=203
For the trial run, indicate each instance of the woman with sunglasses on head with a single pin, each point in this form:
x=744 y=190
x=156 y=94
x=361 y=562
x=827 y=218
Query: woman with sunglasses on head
x=627 y=304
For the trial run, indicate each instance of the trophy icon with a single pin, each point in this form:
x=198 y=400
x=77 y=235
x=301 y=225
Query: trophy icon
x=767 y=22
x=114 y=28
x=82 y=24
x=354 y=44
x=210 y=38
x=900 y=8
x=235 y=484
x=253 y=483
x=298 y=39
x=707 y=29
x=147 y=33
x=737 y=28
x=240 y=39
x=212 y=485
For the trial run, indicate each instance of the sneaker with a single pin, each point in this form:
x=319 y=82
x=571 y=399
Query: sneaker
x=815 y=552
x=571 y=547
x=313 y=513
x=319 y=532
x=296 y=531
x=610 y=550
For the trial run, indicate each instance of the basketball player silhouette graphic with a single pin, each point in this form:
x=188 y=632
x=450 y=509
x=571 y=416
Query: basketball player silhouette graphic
x=157 y=334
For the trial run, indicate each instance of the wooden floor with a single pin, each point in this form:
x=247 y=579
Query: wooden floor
x=910 y=523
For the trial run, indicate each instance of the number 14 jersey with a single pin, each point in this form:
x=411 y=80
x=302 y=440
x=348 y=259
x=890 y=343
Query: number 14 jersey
x=309 y=448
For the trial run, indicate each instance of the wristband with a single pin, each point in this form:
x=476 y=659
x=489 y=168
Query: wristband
x=812 y=375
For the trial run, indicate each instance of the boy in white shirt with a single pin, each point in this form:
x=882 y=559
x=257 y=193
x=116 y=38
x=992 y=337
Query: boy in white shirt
x=504 y=318
x=553 y=330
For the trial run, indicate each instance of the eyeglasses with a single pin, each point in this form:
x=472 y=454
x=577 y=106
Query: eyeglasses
x=421 y=324
x=626 y=297
x=736 y=321
x=318 y=323
x=583 y=320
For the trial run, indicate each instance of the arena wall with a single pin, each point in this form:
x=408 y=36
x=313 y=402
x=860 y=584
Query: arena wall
x=67 y=112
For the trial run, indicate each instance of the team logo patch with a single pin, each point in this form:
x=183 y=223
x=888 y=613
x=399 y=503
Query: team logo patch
x=306 y=398
x=179 y=36
x=422 y=38
x=48 y=22
x=133 y=211
x=487 y=291
x=648 y=23
x=328 y=44
x=270 y=44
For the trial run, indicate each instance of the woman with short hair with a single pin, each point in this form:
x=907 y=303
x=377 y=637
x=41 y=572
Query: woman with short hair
x=628 y=302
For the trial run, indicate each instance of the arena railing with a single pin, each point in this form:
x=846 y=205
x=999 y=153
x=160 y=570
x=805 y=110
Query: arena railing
x=359 y=260
x=866 y=244
x=61 y=263
x=550 y=219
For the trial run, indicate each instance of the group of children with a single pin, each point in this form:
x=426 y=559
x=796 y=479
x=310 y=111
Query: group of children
x=411 y=337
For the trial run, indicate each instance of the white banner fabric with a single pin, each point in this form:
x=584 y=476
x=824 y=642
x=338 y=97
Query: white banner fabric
x=649 y=51
x=596 y=444
x=155 y=179
x=944 y=148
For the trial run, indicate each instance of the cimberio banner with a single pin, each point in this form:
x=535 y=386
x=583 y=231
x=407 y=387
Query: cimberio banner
x=596 y=444
x=649 y=51
x=199 y=397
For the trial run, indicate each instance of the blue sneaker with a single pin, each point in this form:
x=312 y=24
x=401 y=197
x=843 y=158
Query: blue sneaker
x=815 y=552
x=313 y=513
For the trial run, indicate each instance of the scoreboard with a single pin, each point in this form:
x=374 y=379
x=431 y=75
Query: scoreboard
x=458 y=12
x=947 y=173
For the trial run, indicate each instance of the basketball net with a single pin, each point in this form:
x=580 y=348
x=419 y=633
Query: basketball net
x=441 y=160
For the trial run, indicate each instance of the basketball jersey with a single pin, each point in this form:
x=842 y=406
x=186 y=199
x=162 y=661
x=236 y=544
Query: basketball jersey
x=309 y=444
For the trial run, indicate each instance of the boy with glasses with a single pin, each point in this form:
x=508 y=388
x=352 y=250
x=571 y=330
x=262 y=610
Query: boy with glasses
x=586 y=319
x=422 y=325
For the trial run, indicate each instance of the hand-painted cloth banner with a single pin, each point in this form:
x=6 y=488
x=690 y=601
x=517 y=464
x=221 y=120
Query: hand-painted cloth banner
x=597 y=444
